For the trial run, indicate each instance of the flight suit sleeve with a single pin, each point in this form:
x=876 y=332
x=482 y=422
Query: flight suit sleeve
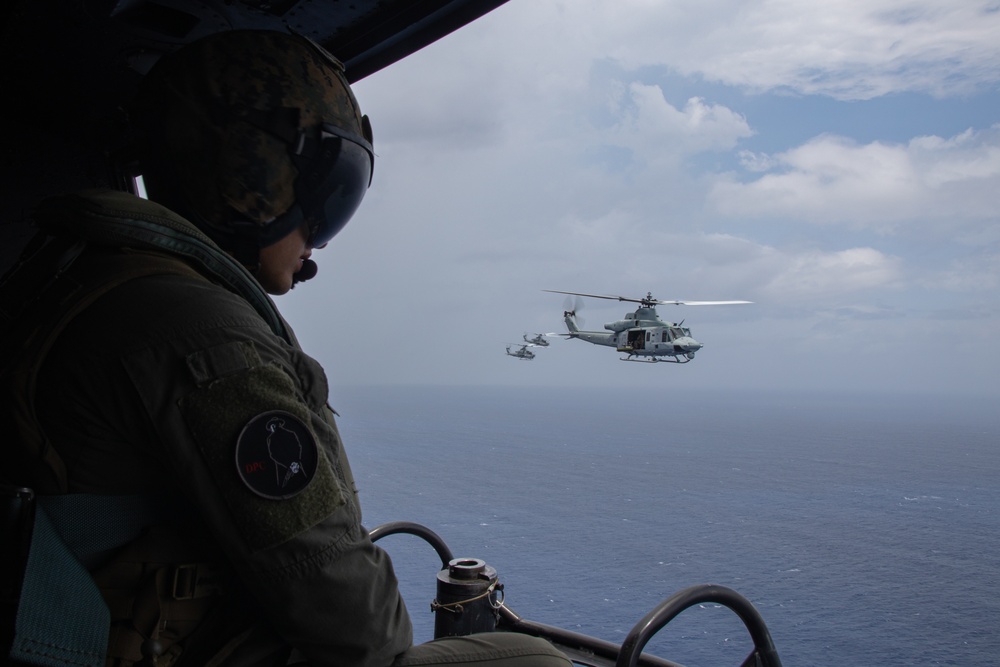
x=243 y=417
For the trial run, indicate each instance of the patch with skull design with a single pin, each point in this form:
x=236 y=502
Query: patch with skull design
x=276 y=455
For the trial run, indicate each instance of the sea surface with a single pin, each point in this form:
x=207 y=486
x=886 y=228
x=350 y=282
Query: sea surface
x=864 y=529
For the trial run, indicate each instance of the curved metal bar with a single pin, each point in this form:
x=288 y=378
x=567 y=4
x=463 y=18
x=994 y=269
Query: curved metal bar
x=582 y=649
x=587 y=650
x=764 y=653
x=411 y=528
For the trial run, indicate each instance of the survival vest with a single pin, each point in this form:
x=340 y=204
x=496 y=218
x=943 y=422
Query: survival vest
x=88 y=244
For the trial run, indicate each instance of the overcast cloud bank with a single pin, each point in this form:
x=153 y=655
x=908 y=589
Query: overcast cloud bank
x=609 y=148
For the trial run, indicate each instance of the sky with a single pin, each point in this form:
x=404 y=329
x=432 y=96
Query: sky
x=837 y=164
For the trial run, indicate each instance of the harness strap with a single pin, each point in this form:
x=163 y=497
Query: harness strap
x=62 y=618
x=38 y=324
x=156 y=593
x=69 y=617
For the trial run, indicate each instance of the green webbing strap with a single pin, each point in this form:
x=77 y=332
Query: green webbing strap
x=62 y=620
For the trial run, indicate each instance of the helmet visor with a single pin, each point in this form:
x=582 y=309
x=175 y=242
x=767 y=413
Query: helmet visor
x=338 y=184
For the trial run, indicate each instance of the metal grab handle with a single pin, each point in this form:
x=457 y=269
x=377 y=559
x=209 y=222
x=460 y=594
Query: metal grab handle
x=411 y=528
x=597 y=652
x=764 y=653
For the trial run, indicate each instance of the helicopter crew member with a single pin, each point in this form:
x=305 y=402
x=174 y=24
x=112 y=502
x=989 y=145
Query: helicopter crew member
x=166 y=375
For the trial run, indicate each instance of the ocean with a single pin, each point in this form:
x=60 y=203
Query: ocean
x=865 y=529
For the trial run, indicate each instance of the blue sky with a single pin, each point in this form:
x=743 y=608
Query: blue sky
x=836 y=164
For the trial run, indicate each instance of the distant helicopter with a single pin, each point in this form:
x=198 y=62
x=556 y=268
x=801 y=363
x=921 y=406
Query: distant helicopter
x=642 y=334
x=539 y=339
x=523 y=353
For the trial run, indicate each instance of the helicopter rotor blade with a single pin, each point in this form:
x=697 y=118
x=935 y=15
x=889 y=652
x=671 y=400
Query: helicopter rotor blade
x=701 y=303
x=595 y=296
x=649 y=300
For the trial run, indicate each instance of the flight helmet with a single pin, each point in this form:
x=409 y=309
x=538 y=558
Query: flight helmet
x=251 y=133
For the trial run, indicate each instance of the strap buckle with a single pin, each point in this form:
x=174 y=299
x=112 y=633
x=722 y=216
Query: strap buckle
x=185 y=581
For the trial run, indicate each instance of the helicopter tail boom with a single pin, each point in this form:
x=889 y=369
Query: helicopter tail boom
x=569 y=317
x=595 y=337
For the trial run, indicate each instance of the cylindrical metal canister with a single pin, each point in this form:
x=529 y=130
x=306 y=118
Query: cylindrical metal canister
x=466 y=598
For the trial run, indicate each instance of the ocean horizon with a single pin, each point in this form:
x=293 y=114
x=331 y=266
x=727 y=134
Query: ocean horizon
x=862 y=527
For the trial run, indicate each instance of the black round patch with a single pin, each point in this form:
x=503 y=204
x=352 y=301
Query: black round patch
x=276 y=455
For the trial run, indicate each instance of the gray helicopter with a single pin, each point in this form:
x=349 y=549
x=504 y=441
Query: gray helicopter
x=642 y=334
x=539 y=339
x=522 y=353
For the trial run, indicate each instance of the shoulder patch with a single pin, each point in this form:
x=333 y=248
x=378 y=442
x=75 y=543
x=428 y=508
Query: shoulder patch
x=229 y=420
x=276 y=455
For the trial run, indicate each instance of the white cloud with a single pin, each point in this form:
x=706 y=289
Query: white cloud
x=848 y=49
x=822 y=275
x=831 y=179
x=656 y=129
x=780 y=277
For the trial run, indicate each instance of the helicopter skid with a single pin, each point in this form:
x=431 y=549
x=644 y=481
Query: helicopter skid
x=656 y=360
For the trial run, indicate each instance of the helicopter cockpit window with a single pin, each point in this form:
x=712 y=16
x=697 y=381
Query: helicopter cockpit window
x=676 y=333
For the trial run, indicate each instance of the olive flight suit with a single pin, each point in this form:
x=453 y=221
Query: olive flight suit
x=176 y=385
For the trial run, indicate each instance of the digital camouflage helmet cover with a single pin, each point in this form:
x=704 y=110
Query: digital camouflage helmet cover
x=249 y=134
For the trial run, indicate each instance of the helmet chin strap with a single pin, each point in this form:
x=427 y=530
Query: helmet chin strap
x=308 y=272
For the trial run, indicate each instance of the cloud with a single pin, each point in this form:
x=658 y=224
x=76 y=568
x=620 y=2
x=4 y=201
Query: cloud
x=654 y=128
x=822 y=275
x=618 y=254
x=411 y=106
x=831 y=179
x=847 y=49
x=779 y=277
